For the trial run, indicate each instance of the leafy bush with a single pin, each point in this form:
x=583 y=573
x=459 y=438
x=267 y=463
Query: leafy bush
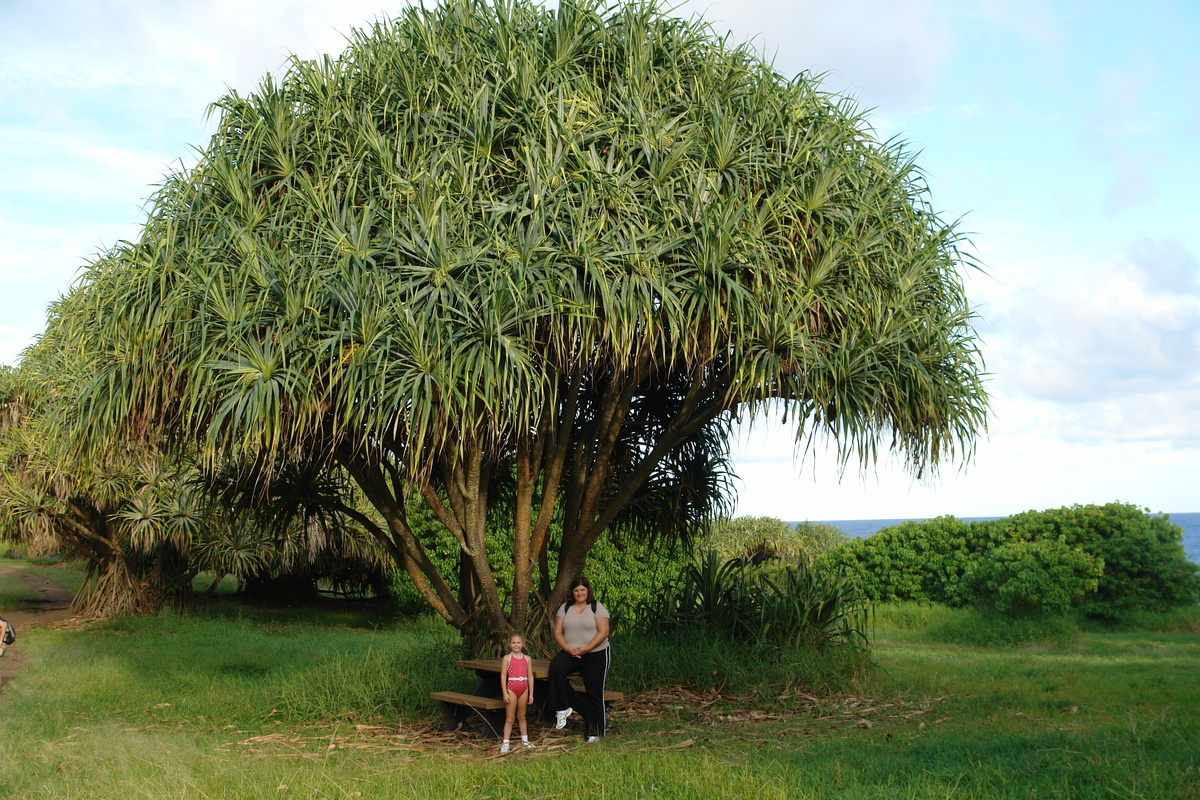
x=914 y=560
x=1038 y=578
x=1145 y=565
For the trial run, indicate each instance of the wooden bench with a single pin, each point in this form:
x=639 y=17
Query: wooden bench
x=497 y=703
x=609 y=695
x=469 y=700
x=455 y=705
x=459 y=706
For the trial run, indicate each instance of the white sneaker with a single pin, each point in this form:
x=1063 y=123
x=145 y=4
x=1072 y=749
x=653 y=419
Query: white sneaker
x=593 y=739
x=504 y=747
x=561 y=718
x=528 y=745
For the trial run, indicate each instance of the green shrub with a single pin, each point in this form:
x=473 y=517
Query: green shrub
x=923 y=560
x=1038 y=578
x=800 y=608
x=789 y=608
x=1145 y=565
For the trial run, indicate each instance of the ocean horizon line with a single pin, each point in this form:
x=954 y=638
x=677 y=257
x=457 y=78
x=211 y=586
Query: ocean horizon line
x=956 y=516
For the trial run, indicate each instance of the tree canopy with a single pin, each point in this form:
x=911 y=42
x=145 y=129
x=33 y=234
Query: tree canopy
x=510 y=261
x=139 y=511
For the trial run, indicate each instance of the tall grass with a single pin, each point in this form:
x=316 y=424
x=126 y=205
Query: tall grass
x=1185 y=619
x=387 y=681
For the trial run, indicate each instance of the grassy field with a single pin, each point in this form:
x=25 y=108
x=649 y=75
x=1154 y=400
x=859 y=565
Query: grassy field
x=244 y=703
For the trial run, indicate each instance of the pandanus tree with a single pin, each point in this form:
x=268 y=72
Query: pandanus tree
x=128 y=510
x=139 y=512
x=531 y=265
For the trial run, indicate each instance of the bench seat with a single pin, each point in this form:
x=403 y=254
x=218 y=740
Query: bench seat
x=469 y=700
x=609 y=695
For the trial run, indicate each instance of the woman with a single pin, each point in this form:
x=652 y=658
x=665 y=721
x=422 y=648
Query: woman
x=581 y=629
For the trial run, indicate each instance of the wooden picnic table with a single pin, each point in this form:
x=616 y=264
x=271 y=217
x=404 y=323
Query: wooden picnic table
x=484 y=701
x=484 y=666
x=488 y=672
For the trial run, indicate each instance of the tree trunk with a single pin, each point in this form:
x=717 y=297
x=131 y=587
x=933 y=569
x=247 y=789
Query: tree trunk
x=112 y=590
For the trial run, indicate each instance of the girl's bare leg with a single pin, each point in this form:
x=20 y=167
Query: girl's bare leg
x=510 y=710
x=522 y=704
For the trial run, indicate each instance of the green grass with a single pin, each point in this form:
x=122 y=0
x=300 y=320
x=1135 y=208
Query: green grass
x=249 y=703
x=13 y=593
x=69 y=574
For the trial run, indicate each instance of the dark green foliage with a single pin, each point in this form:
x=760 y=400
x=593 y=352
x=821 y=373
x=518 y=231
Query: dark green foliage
x=1024 y=563
x=790 y=608
x=914 y=560
x=1145 y=565
x=1043 y=577
x=627 y=574
x=624 y=571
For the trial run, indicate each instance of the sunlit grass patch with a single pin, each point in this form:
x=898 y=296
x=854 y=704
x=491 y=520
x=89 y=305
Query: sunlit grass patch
x=14 y=592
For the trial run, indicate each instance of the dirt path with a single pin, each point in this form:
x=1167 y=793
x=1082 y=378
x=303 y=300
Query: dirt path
x=54 y=604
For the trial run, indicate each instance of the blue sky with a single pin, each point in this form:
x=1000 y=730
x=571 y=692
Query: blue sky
x=1065 y=135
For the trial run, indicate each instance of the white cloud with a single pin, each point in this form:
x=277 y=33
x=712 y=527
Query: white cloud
x=1029 y=462
x=1109 y=336
x=882 y=52
x=1116 y=348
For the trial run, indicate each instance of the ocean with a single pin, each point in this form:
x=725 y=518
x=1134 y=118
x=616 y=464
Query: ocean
x=859 y=528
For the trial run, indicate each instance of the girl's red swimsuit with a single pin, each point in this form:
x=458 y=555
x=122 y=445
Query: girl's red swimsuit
x=518 y=674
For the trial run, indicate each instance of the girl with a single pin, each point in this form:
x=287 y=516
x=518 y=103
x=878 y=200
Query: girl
x=516 y=682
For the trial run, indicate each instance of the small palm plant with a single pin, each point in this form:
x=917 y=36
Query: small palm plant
x=801 y=607
x=793 y=607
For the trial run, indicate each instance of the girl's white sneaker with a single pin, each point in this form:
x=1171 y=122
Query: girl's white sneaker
x=504 y=747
